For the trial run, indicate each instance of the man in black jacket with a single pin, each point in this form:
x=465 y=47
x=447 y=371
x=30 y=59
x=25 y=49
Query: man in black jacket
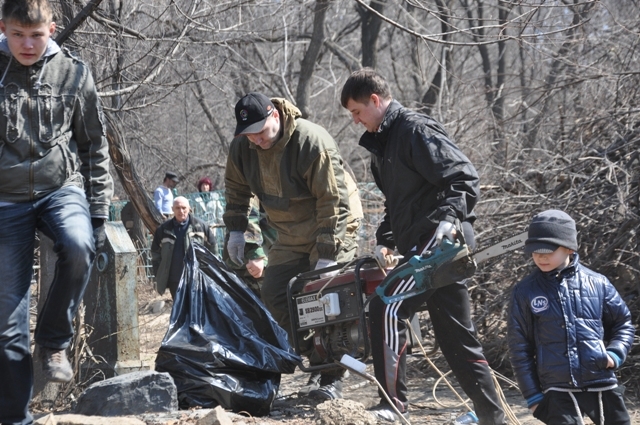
x=429 y=186
x=171 y=241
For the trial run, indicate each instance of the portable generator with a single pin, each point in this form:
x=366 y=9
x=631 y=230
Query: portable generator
x=329 y=317
x=328 y=314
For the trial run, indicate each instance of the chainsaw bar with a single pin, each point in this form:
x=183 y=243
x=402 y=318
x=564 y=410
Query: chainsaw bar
x=500 y=248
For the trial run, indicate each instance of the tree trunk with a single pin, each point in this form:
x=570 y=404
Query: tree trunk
x=310 y=57
x=432 y=94
x=579 y=16
x=129 y=178
x=371 y=24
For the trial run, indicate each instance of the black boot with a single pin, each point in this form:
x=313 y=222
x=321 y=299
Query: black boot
x=312 y=384
x=330 y=387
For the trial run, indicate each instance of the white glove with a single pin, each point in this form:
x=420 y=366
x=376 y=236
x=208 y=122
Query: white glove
x=385 y=256
x=323 y=263
x=235 y=247
x=445 y=229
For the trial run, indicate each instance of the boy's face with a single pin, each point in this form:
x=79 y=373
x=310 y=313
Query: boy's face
x=549 y=262
x=27 y=43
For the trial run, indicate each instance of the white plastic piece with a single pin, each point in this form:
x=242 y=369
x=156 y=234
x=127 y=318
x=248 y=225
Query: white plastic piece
x=331 y=304
x=354 y=364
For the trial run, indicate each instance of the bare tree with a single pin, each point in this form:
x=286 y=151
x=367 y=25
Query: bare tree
x=311 y=56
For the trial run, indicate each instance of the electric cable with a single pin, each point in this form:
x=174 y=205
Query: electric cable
x=505 y=405
x=438 y=371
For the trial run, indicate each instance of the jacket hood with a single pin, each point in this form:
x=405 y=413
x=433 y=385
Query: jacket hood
x=288 y=115
x=52 y=47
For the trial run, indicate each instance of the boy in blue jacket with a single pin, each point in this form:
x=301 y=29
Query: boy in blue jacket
x=568 y=331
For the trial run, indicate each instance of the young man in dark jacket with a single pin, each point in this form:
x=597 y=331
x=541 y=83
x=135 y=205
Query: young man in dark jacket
x=429 y=186
x=568 y=331
x=54 y=177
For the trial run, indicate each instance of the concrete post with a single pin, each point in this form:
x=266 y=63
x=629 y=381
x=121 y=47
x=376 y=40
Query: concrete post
x=111 y=301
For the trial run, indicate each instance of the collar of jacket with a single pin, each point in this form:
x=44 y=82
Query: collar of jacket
x=187 y=221
x=558 y=275
x=376 y=142
x=289 y=113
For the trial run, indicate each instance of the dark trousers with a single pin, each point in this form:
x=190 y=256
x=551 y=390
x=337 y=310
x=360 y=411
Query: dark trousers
x=63 y=216
x=274 y=289
x=557 y=408
x=449 y=308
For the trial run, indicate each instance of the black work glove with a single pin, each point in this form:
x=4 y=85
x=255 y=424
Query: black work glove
x=99 y=235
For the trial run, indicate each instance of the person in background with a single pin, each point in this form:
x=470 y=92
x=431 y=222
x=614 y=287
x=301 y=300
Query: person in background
x=295 y=169
x=54 y=177
x=204 y=185
x=430 y=190
x=568 y=332
x=207 y=205
x=163 y=195
x=171 y=241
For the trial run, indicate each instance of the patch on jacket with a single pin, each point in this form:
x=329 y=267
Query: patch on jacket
x=539 y=304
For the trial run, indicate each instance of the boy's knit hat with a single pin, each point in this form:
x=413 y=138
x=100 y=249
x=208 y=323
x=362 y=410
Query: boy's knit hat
x=549 y=230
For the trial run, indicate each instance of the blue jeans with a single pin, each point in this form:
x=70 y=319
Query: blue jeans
x=64 y=217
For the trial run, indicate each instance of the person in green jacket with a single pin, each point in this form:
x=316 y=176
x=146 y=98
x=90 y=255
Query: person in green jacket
x=295 y=169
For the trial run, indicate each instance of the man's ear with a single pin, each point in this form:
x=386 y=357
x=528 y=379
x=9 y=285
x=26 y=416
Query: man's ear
x=375 y=99
x=276 y=114
x=2 y=26
x=52 y=28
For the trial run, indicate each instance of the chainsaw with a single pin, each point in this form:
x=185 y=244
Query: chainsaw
x=447 y=263
x=329 y=315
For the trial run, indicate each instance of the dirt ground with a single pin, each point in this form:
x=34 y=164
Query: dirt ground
x=428 y=406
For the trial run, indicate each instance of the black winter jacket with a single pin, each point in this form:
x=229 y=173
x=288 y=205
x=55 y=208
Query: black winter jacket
x=164 y=240
x=561 y=327
x=424 y=176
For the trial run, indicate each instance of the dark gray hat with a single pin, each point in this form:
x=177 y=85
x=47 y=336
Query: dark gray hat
x=549 y=230
x=171 y=176
x=252 y=112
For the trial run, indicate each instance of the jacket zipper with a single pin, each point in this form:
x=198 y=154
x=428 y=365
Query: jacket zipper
x=31 y=141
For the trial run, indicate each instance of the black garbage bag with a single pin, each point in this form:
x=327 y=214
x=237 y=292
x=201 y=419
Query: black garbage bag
x=222 y=346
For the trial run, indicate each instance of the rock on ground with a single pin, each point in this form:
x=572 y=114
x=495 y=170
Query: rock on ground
x=343 y=412
x=85 y=420
x=130 y=394
x=217 y=416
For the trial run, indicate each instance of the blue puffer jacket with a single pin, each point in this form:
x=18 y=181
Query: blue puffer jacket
x=562 y=326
